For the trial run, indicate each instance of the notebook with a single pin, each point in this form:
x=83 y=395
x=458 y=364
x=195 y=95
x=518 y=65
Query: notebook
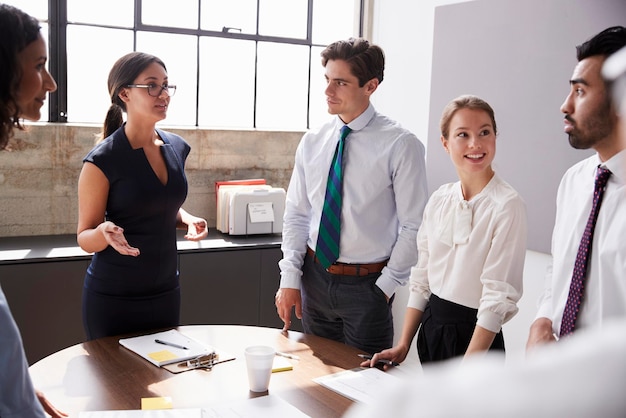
x=173 y=347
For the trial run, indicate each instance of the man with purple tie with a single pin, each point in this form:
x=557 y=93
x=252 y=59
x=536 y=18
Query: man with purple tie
x=586 y=285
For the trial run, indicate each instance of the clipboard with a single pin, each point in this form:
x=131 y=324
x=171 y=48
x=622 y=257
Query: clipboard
x=182 y=347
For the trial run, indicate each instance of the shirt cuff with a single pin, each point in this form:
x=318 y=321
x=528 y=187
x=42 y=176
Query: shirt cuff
x=291 y=280
x=417 y=301
x=491 y=321
x=387 y=285
x=544 y=311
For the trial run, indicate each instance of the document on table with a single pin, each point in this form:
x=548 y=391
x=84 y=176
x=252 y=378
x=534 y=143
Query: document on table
x=269 y=406
x=360 y=384
x=155 y=413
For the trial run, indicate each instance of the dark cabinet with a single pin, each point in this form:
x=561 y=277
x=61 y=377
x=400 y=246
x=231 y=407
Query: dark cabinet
x=231 y=283
x=232 y=287
x=220 y=287
x=45 y=300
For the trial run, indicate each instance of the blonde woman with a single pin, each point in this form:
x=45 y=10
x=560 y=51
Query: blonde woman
x=471 y=248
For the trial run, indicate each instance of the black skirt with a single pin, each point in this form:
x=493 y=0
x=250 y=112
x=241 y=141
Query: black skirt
x=447 y=329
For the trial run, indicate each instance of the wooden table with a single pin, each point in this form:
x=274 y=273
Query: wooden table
x=102 y=375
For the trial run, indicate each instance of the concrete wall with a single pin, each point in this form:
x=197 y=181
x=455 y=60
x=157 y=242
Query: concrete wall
x=38 y=178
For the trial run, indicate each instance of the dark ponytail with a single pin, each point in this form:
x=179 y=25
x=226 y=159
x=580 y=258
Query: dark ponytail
x=114 y=119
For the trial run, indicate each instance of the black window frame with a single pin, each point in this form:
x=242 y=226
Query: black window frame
x=57 y=38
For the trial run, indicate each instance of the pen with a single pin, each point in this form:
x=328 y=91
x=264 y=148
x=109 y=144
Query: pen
x=383 y=361
x=287 y=355
x=170 y=344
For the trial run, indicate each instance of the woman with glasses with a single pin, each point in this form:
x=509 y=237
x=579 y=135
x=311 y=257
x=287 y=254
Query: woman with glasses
x=130 y=192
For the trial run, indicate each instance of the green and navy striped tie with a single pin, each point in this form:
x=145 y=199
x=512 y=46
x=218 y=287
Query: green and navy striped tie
x=327 y=250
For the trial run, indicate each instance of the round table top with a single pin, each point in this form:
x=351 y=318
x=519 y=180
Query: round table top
x=102 y=375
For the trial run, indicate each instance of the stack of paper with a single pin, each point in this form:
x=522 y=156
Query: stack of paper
x=362 y=384
x=246 y=207
x=166 y=347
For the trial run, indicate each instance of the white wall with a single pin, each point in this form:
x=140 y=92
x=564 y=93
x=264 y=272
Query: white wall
x=518 y=55
x=404 y=29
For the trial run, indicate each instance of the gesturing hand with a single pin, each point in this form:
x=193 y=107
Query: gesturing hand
x=197 y=229
x=114 y=236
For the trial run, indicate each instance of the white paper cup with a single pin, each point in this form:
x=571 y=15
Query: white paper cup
x=259 y=360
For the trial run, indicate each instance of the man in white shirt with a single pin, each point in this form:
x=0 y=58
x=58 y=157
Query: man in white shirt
x=384 y=193
x=591 y=121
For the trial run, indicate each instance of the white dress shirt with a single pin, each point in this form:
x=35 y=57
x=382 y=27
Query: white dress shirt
x=384 y=193
x=17 y=396
x=605 y=285
x=472 y=252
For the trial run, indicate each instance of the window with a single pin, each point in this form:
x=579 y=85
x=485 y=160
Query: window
x=237 y=64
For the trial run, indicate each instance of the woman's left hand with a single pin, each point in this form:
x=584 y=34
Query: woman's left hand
x=197 y=229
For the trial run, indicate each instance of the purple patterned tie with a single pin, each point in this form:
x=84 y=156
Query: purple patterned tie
x=580 y=267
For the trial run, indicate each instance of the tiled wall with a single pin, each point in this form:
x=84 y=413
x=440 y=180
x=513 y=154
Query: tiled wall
x=39 y=176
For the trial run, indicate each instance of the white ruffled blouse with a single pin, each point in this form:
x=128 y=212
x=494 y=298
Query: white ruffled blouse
x=472 y=252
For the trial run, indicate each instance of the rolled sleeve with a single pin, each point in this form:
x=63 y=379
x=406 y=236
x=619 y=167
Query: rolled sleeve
x=502 y=276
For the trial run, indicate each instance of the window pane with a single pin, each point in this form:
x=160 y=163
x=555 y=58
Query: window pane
x=110 y=12
x=45 y=109
x=284 y=18
x=182 y=70
x=334 y=20
x=226 y=83
x=35 y=8
x=318 y=109
x=91 y=52
x=282 y=86
x=239 y=14
x=178 y=14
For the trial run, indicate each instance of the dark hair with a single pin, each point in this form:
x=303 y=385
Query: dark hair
x=124 y=72
x=604 y=43
x=367 y=61
x=17 y=31
x=465 y=102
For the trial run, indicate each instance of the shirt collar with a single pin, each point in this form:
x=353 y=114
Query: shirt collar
x=617 y=165
x=361 y=121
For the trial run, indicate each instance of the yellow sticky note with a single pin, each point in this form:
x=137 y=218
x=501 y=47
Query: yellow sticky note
x=164 y=402
x=163 y=355
x=281 y=364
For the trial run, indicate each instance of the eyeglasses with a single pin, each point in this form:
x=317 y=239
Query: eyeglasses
x=155 y=90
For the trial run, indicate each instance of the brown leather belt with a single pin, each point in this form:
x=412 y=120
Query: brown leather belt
x=345 y=269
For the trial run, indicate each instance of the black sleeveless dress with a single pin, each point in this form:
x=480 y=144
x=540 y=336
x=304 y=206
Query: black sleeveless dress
x=124 y=294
